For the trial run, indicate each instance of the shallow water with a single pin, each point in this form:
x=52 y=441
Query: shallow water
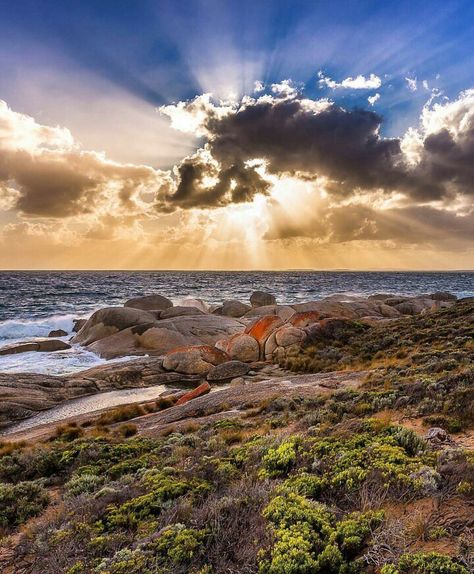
x=86 y=405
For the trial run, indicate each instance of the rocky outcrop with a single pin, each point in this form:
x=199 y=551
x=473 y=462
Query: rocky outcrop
x=157 y=337
x=40 y=346
x=149 y=303
x=194 y=359
x=261 y=298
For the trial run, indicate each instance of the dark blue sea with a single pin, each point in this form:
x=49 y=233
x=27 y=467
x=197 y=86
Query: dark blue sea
x=33 y=303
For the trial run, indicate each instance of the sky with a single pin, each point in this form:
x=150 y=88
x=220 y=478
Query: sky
x=271 y=134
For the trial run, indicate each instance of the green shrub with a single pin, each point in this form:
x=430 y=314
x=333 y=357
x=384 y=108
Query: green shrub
x=179 y=544
x=83 y=484
x=420 y=563
x=279 y=461
x=21 y=501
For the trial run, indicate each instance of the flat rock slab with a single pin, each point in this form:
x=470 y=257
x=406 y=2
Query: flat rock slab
x=39 y=346
x=243 y=397
x=228 y=370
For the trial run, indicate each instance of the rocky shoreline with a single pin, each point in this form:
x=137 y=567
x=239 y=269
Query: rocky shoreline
x=192 y=344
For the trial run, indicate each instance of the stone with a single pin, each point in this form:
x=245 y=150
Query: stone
x=261 y=298
x=57 y=333
x=283 y=311
x=110 y=320
x=180 y=311
x=52 y=345
x=202 y=389
x=159 y=337
x=288 y=335
x=78 y=324
x=149 y=303
x=241 y=347
x=234 y=308
x=262 y=328
x=228 y=370
x=305 y=318
x=41 y=346
x=194 y=359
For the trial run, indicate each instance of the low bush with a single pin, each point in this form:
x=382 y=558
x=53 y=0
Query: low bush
x=19 y=502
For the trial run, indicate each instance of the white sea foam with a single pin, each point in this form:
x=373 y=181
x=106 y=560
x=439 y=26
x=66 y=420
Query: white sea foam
x=17 y=329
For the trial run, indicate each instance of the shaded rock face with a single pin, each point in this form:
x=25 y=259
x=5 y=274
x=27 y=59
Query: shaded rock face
x=228 y=371
x=109 y=321
x=78 y=324
x=149 y=303
x=57 y=333
x=194 y=359
x=233 y=308
x=41 y=346
x=241 y=347
x=261 y=298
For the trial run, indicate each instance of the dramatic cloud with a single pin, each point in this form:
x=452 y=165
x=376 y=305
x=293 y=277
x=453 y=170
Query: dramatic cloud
x=45 y=173
x=291 y=135
x=358 y=83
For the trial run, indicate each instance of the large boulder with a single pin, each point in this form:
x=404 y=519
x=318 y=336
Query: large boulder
x=284 y=337
x=241 y=347
x=262 y=328
x=111 y=320
x=159 y=337
x=40 y=345
x=233 y=308
x=149 y=303
x=443 y=296
x=194 y=359
x=261 y=298
x=228 y=371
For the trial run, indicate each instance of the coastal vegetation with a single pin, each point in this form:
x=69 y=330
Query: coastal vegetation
x=373 y=479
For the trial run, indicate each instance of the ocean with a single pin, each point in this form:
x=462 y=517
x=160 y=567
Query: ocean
x=33 y=303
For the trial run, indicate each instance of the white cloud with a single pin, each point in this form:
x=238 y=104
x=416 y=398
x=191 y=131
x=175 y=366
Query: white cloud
x=360 y=82
x=412 y=84
x=258 y=86
x=373 y=99
x=426 y=85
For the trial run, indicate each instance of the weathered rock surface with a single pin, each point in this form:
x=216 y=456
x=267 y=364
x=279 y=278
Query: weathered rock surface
x=233 y=308
x=158 y=337
x=111 y=320
x=227 y=371
x=41 y=346
x=57 y=333
x=202 y=389
x=149 y=303
x=282 y=311
x=24 y=394
x=194 y=359
x=260 y=298
x=241 y=347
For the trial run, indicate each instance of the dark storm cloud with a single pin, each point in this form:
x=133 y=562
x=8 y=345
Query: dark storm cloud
x=310 y=139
